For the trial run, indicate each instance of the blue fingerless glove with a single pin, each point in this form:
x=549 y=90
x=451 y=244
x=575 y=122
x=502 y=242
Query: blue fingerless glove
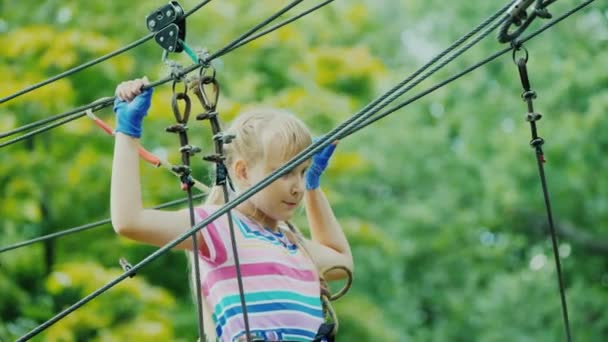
x=129 y=116
x=319 y=164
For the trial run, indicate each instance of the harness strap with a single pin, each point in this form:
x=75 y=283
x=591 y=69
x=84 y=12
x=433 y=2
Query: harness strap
x=328 y=330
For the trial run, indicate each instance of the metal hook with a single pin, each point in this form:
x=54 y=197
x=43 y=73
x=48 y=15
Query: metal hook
x=175 y=81
x=518 y=46
x=182 y=119
x=208 y=102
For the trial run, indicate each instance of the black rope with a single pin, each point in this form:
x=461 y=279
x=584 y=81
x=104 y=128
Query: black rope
x=395 y=92
x=78 y=68
x=93 y=62
x=427 y=91
x=209 y=103
x=81 y=111
x=103 y=102
x=469 y=69
x=43 y=129
x=300 y=158
x=425 y=76
x=537 y=142
x=84 y=227
x=67 y=117
x=196 y=8
x=187 y=150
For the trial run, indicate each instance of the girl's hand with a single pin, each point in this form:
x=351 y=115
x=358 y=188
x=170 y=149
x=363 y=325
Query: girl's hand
x=131 y=106
x=319 y=164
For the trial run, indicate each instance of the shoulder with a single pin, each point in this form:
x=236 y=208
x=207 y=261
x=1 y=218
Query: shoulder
x=202 y=212
x=206 y=209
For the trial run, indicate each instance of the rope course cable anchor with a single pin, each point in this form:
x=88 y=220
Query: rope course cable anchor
x=531 y=116
x=180 y=128
x=207 y=89
x=126 y=266
x=517 y=15
x=184 y=171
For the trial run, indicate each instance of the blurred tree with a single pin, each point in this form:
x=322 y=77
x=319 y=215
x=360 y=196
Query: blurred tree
x=441 y=201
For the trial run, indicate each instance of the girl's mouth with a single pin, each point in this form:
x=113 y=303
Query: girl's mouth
x=290 y=204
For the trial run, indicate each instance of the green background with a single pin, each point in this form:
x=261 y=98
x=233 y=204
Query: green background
x=441 y=201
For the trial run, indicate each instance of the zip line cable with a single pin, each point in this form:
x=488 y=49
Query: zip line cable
x=95 y=105
x=327 y=139
x=452 y=57
x=251 y=31
x=100 y=101
x=43 y=129
x=93 y=62
x=469 y=69
x=108 y=101
x=78 y=68
x=399 y=93
x=87 y=226
x=276 y=26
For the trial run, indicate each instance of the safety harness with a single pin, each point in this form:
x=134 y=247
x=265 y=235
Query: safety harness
x=329 y=329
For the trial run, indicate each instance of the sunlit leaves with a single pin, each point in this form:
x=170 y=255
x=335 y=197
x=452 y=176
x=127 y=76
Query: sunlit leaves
x=351 y=70
x=94 y=320
x=366 y=319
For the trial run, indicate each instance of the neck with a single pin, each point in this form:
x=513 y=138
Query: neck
x=258 y=216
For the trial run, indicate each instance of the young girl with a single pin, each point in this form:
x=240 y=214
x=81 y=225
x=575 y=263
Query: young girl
x=280 y=275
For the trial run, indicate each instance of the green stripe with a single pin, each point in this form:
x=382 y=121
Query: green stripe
x=251 y=298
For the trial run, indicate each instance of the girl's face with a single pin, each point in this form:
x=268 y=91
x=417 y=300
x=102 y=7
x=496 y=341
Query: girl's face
x=279 y=200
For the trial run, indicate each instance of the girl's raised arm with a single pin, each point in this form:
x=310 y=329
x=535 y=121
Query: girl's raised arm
x=129 y=218
x=329 y=246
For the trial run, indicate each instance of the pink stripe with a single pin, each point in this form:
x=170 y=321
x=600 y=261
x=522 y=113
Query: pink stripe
x=213 y=239
x=271 y=321
x=262 y=283
x=254 y=270
x=255 y=251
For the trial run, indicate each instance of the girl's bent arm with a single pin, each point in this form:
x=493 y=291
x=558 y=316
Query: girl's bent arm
x=129 y=218
x=326 y=231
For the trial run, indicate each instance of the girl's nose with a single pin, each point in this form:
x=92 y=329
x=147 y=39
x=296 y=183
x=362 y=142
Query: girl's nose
x=297 y=187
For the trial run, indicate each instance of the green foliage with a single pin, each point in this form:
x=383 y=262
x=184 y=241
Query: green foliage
x=441 y=201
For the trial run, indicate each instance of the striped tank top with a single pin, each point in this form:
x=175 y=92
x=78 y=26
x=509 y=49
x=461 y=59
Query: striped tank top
x=281 y=284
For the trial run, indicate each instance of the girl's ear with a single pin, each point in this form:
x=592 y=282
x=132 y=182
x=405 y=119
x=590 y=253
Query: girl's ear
x=240 y=172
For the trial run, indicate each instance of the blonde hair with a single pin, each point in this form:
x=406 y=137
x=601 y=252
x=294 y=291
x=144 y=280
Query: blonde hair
x=255 y=131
